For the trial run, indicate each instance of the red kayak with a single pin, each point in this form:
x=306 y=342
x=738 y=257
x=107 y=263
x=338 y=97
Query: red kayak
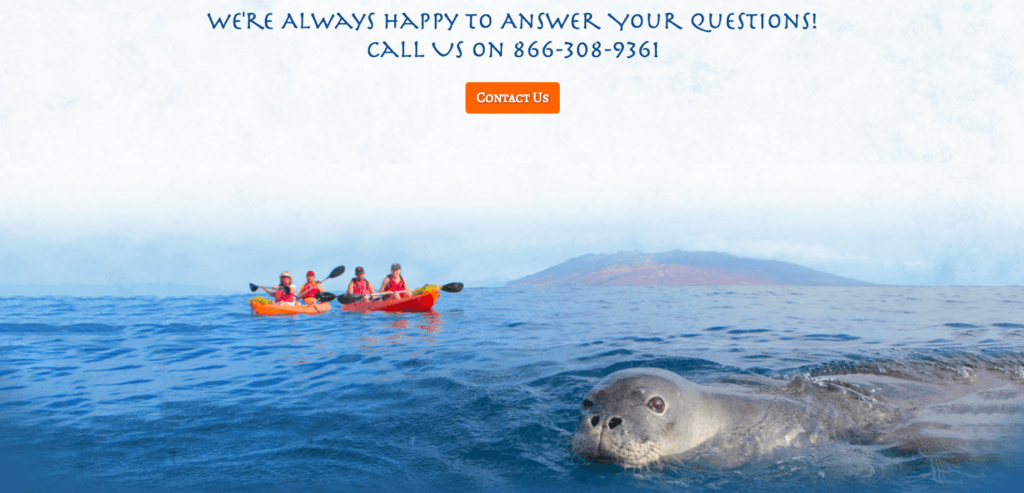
x=422 y=302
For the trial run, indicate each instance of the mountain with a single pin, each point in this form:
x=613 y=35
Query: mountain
x=679 y=268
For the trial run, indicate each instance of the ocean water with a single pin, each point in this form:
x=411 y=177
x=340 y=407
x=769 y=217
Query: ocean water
x=483 y=394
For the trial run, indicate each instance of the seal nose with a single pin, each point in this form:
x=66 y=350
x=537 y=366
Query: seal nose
x=595 y=421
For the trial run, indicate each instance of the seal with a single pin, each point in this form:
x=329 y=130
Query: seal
x=643 y=417
x=635 y=417
x=640 y=416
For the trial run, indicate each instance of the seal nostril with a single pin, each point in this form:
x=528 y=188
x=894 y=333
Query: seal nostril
x=595 y=420
x=612 y=423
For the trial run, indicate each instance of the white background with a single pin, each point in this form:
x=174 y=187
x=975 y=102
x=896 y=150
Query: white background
x=137 y=144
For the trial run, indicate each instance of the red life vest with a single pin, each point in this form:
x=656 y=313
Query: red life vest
x=395 y=286
x=313 y=287
x=280 y=297
x=361 y=287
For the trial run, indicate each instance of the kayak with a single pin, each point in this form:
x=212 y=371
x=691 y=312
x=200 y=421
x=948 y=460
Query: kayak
x=275 y=309
x=422 y=302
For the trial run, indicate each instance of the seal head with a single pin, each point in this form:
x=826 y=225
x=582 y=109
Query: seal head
x=637 y=416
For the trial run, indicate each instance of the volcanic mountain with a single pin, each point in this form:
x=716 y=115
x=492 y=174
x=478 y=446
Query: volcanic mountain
x=679 y=268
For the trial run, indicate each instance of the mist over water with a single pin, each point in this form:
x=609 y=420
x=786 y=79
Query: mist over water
x=196 y=393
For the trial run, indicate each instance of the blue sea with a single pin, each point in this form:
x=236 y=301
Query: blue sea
x=483 y=394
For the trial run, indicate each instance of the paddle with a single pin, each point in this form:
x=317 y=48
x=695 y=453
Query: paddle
x=348 y=298
x=325 y=297
x=452 y=287
x=253 y=288
x=339 y=270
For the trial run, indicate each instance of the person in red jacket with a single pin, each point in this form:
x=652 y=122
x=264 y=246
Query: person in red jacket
x=285 y=292
x=395 y=283
x=359 y=284
x=310 y=289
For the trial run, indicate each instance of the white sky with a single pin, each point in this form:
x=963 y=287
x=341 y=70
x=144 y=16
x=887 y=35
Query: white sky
x=137 y=144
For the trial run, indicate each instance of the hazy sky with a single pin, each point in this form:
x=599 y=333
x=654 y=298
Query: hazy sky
x=138 y=144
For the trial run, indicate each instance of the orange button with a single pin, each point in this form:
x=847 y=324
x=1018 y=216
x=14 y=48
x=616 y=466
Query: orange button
x=512 y=97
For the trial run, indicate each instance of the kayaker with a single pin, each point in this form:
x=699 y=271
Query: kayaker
x=280 y=296
x=310 y=289
x=395 y=283
x=359 y=284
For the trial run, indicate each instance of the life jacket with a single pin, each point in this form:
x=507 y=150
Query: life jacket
x=395 y=286
x=314 y=288
x=361 y=288
x=280 y=297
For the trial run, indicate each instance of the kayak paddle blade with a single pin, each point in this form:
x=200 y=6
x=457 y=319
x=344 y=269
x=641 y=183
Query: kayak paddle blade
x=452 y=287
x=325 y=297
x=253 y=287
x=286 y=289
x=349 y=298
x=339 y=270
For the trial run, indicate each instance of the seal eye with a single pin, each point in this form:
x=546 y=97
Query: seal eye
x=587 y=403
x=657 y=404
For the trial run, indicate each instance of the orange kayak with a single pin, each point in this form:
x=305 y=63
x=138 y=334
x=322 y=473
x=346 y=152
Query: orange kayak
x=274 y=309
x=422 y=302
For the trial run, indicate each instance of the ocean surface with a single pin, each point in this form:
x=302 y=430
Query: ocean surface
x=483 y=394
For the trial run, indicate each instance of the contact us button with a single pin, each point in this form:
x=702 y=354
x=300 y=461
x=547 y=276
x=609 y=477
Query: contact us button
x=512 y=97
